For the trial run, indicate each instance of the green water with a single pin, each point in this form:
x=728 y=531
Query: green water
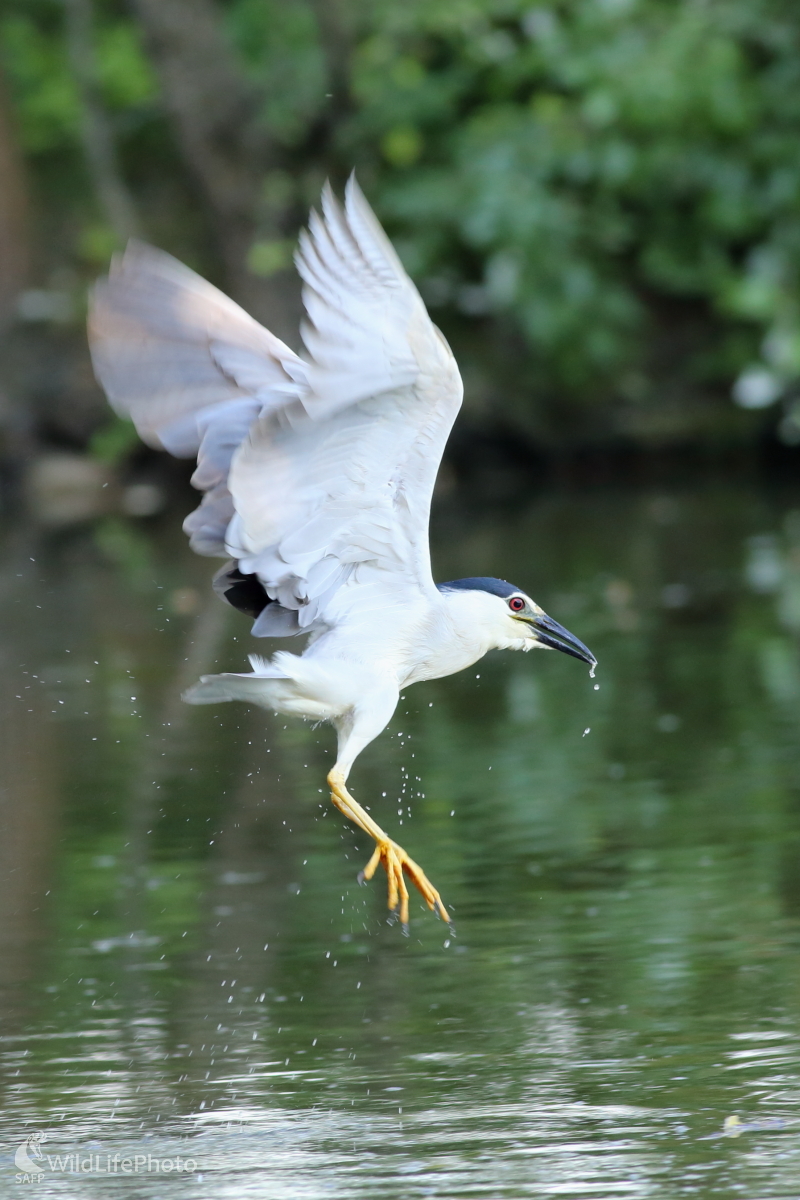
x=189 y=969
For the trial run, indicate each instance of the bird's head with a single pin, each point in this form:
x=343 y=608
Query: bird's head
x=509 y=619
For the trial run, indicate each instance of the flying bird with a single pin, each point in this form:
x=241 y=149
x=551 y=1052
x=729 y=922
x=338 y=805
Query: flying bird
x=317 y=472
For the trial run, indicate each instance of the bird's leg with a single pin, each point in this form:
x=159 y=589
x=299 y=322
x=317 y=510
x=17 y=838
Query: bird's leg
x=394 y=858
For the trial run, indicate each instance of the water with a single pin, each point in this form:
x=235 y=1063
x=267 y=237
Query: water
x=190 y=972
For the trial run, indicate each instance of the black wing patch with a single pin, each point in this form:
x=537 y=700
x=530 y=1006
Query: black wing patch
x=244 y=592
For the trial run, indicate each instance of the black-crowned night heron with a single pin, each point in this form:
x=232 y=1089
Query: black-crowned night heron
x=318 y=473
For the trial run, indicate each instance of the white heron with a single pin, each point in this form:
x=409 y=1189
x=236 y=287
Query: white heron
x=318 y=473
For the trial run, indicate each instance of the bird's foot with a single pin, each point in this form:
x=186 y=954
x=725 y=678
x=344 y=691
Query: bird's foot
x=393 y=857
x=396 y=863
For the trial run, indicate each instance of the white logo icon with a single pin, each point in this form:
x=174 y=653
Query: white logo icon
x=30 y=1149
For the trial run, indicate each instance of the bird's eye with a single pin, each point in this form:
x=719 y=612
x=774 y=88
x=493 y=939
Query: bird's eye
x=516 y=604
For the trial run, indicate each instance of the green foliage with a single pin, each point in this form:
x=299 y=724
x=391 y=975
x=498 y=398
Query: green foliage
x=124 y=75
x=50 y=118
x=35 y=58
x=114 y=441
x=270 y=256
x=581 y=166
x=615 y=182
x=282 y=54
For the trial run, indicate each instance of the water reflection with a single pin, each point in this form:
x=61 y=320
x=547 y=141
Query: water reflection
x=189 y=969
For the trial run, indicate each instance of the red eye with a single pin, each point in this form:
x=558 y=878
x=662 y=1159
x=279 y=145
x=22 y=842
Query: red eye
x=516 y=604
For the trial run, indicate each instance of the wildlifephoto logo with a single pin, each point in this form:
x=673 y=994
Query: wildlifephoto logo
x=33 y=1163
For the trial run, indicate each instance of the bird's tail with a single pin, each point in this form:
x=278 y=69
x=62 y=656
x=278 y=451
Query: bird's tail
x=259 y=688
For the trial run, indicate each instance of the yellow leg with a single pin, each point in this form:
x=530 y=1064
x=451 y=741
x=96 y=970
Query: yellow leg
x=394 y=858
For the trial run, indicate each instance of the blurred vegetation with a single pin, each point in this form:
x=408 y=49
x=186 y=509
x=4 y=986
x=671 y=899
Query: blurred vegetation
x=606 y=191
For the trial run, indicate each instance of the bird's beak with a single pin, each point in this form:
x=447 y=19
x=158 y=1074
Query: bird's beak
x=551 y=634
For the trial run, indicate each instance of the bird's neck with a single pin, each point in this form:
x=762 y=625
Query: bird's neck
x=456 y=634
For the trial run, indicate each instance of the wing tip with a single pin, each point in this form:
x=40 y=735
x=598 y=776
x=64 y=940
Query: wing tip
x=371 y=237
x=352 y=191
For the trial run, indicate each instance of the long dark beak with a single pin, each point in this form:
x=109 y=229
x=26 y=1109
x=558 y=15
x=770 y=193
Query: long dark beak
x=550 y=633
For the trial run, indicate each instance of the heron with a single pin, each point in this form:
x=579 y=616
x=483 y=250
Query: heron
x=317 y=471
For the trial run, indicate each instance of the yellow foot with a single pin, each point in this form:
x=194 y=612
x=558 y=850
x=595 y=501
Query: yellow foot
x=395 y=861
x=394 y=858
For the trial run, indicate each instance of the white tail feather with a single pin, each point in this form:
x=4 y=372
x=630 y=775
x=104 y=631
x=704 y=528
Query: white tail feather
x=260 y=665
x=213 y=689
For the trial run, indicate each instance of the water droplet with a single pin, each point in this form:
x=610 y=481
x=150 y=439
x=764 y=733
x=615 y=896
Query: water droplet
x=588 y=729
x=597 y=687
x=592 y=670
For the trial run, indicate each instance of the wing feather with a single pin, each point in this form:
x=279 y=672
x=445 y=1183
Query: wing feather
x=190 y=368
x=319 y=469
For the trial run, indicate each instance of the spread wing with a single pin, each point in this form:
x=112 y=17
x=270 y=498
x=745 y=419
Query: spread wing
x=158 y=334
x=329 y=461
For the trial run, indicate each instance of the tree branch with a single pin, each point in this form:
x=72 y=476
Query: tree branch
x=14 y=246
x=96 y=135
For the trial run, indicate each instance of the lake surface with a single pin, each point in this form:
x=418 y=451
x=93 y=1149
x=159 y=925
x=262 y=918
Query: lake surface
x=190 y=973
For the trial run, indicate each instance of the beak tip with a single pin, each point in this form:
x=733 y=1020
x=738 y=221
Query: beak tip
x=551 y=634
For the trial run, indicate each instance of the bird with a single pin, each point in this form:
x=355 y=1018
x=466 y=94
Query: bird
x=317 y=471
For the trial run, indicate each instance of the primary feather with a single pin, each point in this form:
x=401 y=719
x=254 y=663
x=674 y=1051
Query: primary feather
x=318 y=471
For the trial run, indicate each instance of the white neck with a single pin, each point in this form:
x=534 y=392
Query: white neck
x=461 y=628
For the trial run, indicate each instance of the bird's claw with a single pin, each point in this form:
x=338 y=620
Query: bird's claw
x=442 y=914
x=397 y=864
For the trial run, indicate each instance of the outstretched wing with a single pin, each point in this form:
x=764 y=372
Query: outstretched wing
x=334 y=477
x=339 y=483
x=157 y=334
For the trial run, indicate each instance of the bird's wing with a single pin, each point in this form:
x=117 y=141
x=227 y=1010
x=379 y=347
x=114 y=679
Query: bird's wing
x=333 y=479
x=157 y=332
x=339 y=483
